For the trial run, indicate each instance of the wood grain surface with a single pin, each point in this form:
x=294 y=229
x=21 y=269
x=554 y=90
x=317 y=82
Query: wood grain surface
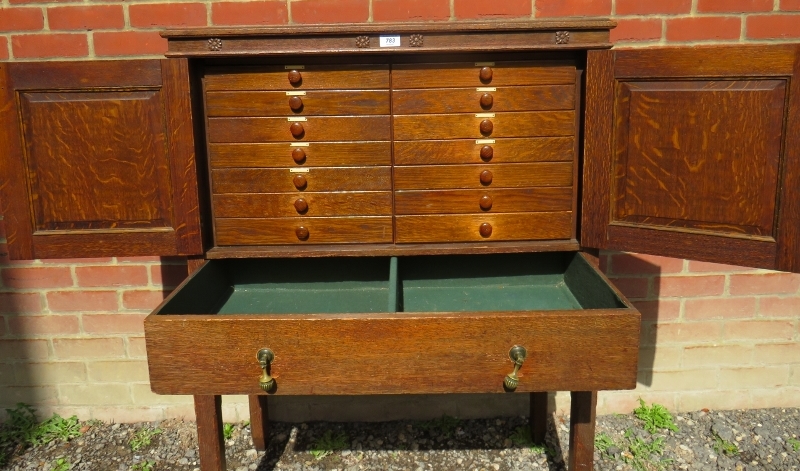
x=788 y=234
x=462 y=151
x=348 y=203
x=317 y=154
x=391 y=250
x=314 y=77
x=314 y=103
x=465 y=228
x=424 y=177
x=583 y=406
x=347 y=354
x=713 y=161
x=469 y=201
x=321 y=230
x=208 y=410
x=459 y=126
x=597 y=148
x=468 y=100
x=268 y=180
x=697 y=168
x=101 y=160
x=466 y=74
x=317 y=128
x=259 y=421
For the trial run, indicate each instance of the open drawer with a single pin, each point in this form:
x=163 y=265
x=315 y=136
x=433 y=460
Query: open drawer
x=408 y=325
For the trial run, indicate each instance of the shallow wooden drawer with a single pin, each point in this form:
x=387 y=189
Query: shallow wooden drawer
x=315 y=128
x=460 y=126
x=467 y=74
x=483 y=201
x=345 y=203
x=312 y=103
x=312 y=154
x=468 y=100
x=312 y=77
x=318 y=230
x=425 y=177
x=484 y=227
x=462 y=151
x=386 y=326
x=269 y=180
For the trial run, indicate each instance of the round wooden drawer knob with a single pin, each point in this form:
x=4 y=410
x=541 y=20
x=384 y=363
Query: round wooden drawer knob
x=299 y=155
x=302 y=233
x=299 y=182
x=485 y=229
x=486 y=126
x=487 y=100
x=486 y=202
x=297 y=130
x=295 y=103
x=486 y=74
x=300 y=205
x=487 y=152
x=486 y=177
x=294 y=77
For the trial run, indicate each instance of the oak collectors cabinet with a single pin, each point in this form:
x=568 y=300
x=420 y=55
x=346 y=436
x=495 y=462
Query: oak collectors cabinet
x=402 y=219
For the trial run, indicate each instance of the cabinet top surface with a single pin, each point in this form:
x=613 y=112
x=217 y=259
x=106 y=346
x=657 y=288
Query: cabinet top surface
x=471 y=36
x=386 y=28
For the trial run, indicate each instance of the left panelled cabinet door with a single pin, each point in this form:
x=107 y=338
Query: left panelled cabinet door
x=98 y=159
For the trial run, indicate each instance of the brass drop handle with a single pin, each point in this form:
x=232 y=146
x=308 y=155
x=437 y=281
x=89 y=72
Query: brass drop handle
x=517 y=355
x=265 y=357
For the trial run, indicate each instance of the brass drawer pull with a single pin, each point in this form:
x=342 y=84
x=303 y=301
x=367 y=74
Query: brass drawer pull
x=517 y=355
x=265 y=357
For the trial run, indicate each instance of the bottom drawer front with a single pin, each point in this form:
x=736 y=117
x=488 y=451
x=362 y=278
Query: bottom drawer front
x=393 y=354
x=321 y=230
x=514 y=226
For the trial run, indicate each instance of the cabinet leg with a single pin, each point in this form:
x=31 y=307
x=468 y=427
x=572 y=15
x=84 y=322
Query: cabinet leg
x=208 y=410
x=538 y=420
x=259 y=421
x=581 y=430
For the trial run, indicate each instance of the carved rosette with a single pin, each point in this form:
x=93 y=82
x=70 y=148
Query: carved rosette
x=214 y=44
x=415 y=40
x=362 y=41
x=562 y=37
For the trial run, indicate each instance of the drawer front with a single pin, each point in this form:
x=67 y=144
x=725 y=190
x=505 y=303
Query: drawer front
x=311 y=77
x=339 y=128
x=426 y=177
x=394 y=354
x=459 y=126
x=320 y=230
x=269 y=180
x=465 y=151
x=468 y=228
x=279 y=205
x=316 y=154
x=468 y=74
x=482 y=201
x=312 y=103
x=483 y=99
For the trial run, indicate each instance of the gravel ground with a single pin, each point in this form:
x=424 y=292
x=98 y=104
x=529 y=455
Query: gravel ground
x=765 y=439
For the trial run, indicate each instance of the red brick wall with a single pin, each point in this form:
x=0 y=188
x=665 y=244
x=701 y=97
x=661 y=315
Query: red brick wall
x=70 y=330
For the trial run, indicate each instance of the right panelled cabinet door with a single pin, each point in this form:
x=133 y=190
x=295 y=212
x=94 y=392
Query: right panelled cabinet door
x=695 y=153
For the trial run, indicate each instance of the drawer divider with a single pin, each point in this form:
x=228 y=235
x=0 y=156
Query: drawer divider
x=394 y=286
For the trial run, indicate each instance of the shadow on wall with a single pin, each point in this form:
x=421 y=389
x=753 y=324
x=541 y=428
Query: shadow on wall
x=638 y=280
